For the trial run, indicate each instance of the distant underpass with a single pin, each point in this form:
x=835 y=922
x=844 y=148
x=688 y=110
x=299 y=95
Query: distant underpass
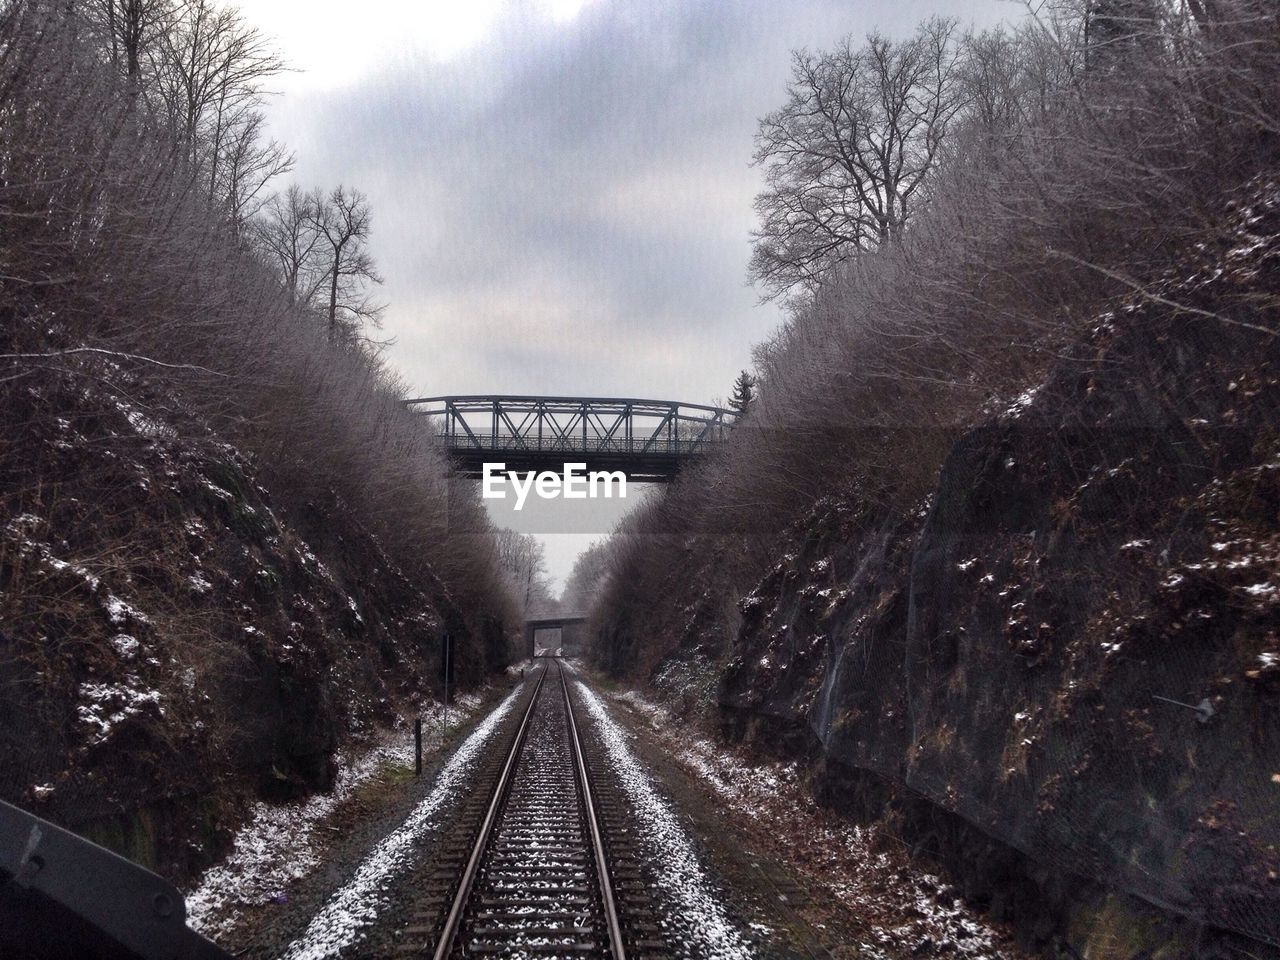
x=547 y=635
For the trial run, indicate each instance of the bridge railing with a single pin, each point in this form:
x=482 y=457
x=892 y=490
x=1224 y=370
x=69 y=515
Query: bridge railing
x=553 y=445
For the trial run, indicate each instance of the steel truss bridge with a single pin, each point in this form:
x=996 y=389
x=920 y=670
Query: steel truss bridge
x=648 y=440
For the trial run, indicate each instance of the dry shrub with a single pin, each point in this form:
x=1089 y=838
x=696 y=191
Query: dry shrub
x=1086 y=160
x=116 y=259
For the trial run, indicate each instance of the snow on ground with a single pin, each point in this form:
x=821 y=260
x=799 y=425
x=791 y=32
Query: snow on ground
x=17 y=532
x=125 y=645
x=904 y=905
x=105 y=705
x=122 y=614
x=680 y=873
x=1021 y=404
x=349 y=912
x=279 y=844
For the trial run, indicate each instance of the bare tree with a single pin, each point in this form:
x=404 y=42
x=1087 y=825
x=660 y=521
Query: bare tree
x=1116 y=29
x=1010 y=78
x=849 y=154
x=250 y=160
x=201 y=67
x=991 y=75
x=211 y=67
x=112 y=231
x=342 y=221
x=286 y=232
x=130 y=29
x=524 y=558
x=318 y=244
x=586 y=580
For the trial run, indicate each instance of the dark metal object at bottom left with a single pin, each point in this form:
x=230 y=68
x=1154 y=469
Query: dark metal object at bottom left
x=65 y=898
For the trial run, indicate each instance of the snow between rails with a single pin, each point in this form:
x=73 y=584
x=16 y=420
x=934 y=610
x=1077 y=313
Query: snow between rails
x=678 y=869
x=355 y=906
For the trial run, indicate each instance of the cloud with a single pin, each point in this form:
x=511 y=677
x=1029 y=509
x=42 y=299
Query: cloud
x=562 y=190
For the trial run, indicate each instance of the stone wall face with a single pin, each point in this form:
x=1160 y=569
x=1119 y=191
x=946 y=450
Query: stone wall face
x=1065 y=666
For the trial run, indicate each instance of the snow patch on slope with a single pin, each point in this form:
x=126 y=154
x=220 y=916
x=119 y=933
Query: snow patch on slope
x=104 y=706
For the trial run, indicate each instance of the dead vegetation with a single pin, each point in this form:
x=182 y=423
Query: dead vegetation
x=1084 y=152
x=225 y=545
x=1034 y=429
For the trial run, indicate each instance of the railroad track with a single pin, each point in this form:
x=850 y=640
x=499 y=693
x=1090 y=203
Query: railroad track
x=530 y=867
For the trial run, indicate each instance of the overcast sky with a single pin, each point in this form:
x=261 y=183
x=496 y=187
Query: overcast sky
x=561 y=189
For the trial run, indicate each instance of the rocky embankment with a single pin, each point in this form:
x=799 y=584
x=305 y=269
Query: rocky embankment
x=1059 y=675
x=173 y=645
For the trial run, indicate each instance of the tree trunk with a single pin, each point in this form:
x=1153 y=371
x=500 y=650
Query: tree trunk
x=333 y=296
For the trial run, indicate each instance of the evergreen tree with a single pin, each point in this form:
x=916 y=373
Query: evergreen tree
x=744 y=393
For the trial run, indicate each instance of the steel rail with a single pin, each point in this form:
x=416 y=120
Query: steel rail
x=454 y=920
x=616 y=947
